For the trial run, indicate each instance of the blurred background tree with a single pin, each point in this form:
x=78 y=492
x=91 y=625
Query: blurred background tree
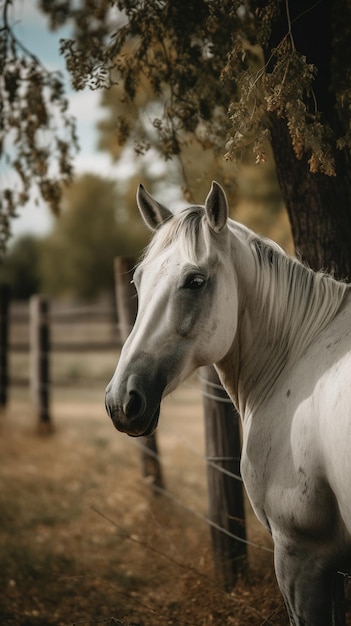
x=253 y=192
x=94 y=227
x=234 y=74
x=227 y=74
x=98 y=221
x=21 y=267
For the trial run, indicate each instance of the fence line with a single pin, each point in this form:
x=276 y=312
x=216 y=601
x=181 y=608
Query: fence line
x=217 y=463
x=210 y=461
x=39 y=340
x=106 y=346
x=137 y=443
x=60 y=317
x=4 y=325
x=164 y=491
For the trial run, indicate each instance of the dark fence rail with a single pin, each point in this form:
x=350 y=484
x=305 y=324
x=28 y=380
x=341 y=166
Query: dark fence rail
x=4 y=347
x=70 y=346
x=73 y=330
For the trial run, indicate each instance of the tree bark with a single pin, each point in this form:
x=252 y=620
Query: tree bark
x=319 y=206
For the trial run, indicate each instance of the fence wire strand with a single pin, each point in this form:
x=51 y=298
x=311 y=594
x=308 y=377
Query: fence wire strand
x=212 y=461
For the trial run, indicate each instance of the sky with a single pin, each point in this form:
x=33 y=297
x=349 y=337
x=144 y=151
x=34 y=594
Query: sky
x=32 y=29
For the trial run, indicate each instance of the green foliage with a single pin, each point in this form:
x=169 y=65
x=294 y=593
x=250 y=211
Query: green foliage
x=197 y=59
x=285 y=91
x=180 y=50
x=20 y=267
x=204 y=58
x=77 y=259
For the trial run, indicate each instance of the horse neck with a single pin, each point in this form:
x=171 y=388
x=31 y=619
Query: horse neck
x=283 y=306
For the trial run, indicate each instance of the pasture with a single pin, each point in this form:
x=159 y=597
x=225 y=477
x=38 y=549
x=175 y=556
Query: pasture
x=84 y=540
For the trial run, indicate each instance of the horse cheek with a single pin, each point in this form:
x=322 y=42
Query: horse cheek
x=187 y=317
x=222 y=328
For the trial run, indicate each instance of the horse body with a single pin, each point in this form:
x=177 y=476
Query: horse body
x=304 y=427
x=296 y=467
x=210 y=291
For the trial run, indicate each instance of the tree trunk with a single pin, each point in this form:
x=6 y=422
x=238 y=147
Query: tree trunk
x=319 y=206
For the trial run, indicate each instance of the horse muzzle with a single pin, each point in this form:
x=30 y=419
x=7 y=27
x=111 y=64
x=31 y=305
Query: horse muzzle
x=131 y=411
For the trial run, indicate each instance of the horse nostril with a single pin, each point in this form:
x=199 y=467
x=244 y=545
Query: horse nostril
x=136 y=405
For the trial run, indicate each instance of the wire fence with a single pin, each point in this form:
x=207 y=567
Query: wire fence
x=206 y=462
x=77 y=332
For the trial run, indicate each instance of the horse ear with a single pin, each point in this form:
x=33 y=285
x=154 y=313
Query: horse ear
x=152 y=212
x=216 y=206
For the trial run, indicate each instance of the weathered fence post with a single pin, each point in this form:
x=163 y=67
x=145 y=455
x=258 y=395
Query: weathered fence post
x=39 y=338
x=126 y=311
x=225 y=493
x=4 y=341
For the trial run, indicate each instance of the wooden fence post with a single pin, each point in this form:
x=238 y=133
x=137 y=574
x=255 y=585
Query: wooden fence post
x=39 y=338
x=4 y=342
x=225 y=493
x=127 y=303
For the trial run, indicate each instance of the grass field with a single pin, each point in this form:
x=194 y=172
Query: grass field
x=85 y=540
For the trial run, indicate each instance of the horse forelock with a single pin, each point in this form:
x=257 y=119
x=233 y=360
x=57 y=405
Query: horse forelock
x=188 y=229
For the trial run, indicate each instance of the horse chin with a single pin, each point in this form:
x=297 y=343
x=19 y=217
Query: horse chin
x=151 y=426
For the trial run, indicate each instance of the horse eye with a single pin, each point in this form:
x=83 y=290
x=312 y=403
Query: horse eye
x=194 y=282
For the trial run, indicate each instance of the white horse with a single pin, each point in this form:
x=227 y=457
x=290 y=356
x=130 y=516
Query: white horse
x=279 y=334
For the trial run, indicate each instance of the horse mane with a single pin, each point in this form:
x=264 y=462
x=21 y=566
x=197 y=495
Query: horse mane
x=297 y=299
x=296 y=304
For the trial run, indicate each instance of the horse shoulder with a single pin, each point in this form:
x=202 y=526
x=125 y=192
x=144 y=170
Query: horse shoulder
x=296 y=453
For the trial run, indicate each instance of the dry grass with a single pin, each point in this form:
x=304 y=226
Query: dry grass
x=83 y=540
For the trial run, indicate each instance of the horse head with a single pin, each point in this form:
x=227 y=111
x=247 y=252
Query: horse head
x=186 y=313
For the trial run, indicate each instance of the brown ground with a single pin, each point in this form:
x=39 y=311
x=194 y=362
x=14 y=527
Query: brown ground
x=83 y=540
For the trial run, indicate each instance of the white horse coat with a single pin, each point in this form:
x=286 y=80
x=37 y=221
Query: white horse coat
x=211 y=291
